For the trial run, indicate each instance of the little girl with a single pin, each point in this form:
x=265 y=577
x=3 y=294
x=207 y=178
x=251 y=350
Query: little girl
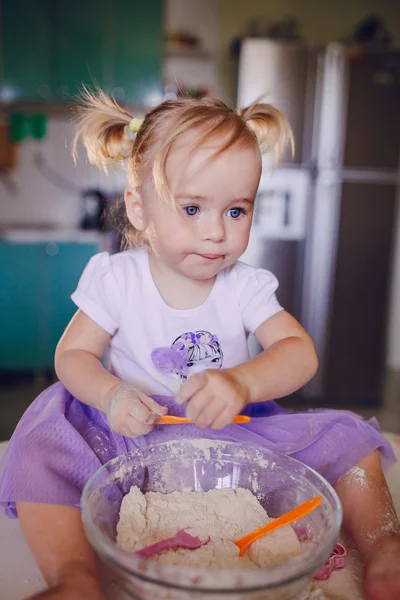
x=175 y=310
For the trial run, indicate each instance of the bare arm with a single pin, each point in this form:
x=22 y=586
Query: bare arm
x=78 y=361
x=129 y=411
x=288 y=362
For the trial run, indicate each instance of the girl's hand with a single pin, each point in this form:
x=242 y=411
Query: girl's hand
x=129 y=411
x=213 y=398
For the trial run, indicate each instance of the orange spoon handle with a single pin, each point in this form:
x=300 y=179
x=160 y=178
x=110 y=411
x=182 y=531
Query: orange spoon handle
x=170 y=420
x=290 y=517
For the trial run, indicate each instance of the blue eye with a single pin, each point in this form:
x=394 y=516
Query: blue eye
x=235 y=212
x=191 y=210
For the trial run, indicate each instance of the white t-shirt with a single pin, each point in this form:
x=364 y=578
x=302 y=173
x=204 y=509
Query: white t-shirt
x=156 y=347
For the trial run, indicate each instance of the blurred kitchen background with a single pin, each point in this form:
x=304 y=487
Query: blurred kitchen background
x=327 y=220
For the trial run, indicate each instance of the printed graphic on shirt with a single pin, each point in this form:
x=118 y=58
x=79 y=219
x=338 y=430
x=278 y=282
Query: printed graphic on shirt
x=190 y=353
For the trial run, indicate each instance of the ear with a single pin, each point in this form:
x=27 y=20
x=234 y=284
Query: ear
x=134 y=209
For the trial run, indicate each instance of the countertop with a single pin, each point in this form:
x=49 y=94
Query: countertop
x=43 y=235
x=20 y=577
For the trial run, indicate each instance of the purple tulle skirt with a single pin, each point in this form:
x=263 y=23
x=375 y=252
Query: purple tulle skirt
x=60 y=442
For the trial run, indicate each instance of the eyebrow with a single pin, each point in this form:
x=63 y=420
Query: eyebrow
x=183 y=196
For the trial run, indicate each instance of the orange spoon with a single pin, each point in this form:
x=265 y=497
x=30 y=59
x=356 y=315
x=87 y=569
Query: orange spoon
x=292 y=515
x=169 y=420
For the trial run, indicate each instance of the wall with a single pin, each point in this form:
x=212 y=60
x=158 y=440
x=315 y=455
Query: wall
x=200 y=19
x=38 y=201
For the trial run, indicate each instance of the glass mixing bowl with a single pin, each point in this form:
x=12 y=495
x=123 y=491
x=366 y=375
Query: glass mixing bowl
x=279 y=482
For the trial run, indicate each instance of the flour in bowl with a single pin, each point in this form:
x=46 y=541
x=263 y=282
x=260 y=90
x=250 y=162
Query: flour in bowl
x=225 y=515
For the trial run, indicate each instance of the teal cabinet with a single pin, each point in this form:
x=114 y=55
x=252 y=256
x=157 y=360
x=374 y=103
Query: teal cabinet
x=51 y=47
x=26 y=37
x=83 y=49
x=21 y=309
x=35 y=304
x=138 y=50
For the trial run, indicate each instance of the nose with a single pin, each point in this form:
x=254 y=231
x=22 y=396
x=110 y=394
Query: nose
x=215 y=230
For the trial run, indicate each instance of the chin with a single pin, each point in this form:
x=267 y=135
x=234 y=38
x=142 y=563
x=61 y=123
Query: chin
x=201 y=274
x=197 y=276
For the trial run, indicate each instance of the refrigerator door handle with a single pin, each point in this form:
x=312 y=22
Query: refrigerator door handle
x=287 y=209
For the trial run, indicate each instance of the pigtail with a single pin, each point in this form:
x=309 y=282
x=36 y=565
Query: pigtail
x=271 y=128
x=102 y=127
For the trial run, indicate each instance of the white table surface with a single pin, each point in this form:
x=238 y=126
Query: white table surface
x=20 y=577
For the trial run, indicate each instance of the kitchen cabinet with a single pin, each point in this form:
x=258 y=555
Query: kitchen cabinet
x=51 y=47
x=83 y=49
x=138 y=51
x=21 y=312
x=35 y=306
x=26 y=36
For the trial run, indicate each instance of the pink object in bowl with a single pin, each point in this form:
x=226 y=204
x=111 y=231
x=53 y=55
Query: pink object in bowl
x=181 y=540
x=336 y=561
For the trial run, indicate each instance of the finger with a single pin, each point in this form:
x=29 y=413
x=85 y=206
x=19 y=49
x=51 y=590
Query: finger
x=193 y=385
x=139 y=411
x=197 y=404
x=223 y=419
x=135 y=429
x=155 y=408
x=210 y=413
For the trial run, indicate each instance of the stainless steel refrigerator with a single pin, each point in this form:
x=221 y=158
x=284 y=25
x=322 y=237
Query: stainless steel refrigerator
x=325 y=218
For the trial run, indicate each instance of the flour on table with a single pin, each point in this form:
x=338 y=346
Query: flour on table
x=225 y=515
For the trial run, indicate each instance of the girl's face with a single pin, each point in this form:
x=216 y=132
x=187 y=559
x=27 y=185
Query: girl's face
x=210 y=226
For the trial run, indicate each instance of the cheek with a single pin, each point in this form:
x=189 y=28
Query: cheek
x=171 y=228
x=240 y=235
x=170 y=236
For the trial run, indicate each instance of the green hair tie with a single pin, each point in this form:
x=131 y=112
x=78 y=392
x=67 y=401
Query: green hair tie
x=135 y=124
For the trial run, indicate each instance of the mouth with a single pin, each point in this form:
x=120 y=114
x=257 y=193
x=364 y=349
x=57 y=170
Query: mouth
x=212 y=256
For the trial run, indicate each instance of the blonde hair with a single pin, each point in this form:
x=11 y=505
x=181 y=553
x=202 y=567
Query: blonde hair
x=103 y=126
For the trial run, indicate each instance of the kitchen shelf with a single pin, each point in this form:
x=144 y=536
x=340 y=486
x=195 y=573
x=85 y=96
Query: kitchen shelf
x=191 y=54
